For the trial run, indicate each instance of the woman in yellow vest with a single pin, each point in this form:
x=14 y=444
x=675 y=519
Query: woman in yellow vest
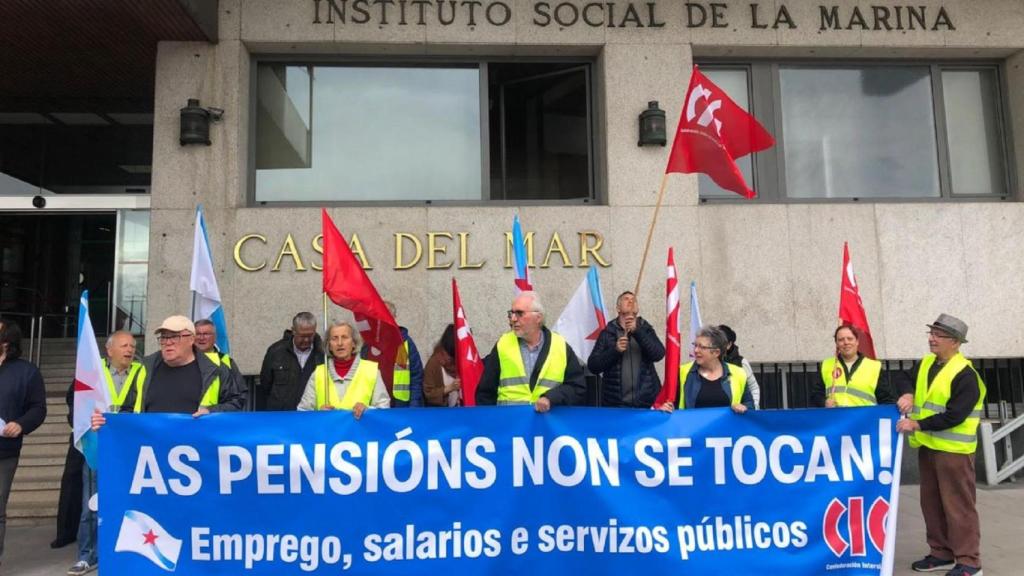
x=709 y=381
x=849 y=378
x=345 y=381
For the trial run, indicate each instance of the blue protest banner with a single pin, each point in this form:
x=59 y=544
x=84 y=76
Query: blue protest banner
x=499 y=491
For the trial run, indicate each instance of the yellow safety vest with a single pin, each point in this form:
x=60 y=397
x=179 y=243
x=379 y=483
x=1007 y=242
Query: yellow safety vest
x=737 y=383
x=860 y=390
x=117 y=396
x=928 y=401
x=225 y=359
x=360 y=389
x=513 y=381
x=210 y=398
x=402 y=378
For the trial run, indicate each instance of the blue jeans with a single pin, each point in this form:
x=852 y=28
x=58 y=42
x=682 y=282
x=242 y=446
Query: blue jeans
x=87 y=525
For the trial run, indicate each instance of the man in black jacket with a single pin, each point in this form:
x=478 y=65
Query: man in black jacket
x=22 y=408
x=528 y=348
x=288 y=364
x=624 y=356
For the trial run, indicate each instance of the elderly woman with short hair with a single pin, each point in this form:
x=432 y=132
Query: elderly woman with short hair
x=709 y=381
x=355 y=383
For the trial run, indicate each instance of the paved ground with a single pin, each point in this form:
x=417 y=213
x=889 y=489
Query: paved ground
x=28 y=552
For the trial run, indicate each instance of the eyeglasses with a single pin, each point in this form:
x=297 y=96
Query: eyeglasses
x=518 y=313
x=171 y=337
x=940 y=335
x=703 y=347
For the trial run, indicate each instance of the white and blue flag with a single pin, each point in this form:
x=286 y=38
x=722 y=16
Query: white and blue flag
x=207 y=303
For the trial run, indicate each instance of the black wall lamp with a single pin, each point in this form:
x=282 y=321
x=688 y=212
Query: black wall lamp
x=652 y=125
x=195 y=123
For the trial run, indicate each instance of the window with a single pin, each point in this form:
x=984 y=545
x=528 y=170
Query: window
x=423 y=132
x=870 y=131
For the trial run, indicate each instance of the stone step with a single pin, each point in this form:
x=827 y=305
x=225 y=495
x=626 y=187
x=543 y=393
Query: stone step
x=45 y=450
x=53 y=426
x=37 y=473
x=29 y=485
x=30 y=460
x=40 y=511
x=33 y=498
x=37 y=439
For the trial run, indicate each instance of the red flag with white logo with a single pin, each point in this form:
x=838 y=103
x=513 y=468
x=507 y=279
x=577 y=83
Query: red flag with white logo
x=713 y=131
x=851 y=307
x=348 y=286
x=470 y=366
x=671 y=386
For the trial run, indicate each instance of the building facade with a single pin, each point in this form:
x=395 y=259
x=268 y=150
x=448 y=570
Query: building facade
x=425 y=126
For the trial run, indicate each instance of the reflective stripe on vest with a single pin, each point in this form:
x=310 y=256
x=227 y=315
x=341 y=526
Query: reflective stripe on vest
x=928 y=401
x=737 y=383
x=117 y=396
x=860 y=390
x=210 y=397
x=402 y=378
x=360 y=388
x=514 y=382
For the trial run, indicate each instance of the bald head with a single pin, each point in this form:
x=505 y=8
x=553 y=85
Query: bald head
x=121 y=349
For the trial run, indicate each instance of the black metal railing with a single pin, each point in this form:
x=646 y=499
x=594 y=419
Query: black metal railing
x=789 y=384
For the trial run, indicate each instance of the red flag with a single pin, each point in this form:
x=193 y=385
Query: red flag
x=348 y=286
x=470 y=366
x=670 y=388
x=713 y=131
x=851 y=307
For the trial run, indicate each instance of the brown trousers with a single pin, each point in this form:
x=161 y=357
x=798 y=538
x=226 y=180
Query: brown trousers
x=948 y=505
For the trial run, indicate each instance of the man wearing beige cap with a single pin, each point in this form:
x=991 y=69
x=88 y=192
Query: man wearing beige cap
x=945 y=403
x=180 y=379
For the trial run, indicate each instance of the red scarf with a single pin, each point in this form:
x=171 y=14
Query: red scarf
x=343 y=366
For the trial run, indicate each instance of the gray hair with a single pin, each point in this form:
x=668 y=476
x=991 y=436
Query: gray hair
x=110 y=339
x=206 y=322
x=355 y=333
x=535 y=303
x=303 y=319
x=717 y=337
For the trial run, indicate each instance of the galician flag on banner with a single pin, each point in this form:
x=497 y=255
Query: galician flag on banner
x=695 y=322
x=203 y=283
x=145 y=536
x=713 y=131
x=671 y=386
x=91 y=391
x=467 y=359
x=584 y=316
x=519 y=257
x=851 y=307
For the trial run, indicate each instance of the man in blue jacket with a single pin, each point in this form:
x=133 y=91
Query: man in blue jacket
x=624 y=356
x=22 y=409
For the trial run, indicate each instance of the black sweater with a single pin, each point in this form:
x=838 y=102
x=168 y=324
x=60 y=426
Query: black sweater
x=22 y=400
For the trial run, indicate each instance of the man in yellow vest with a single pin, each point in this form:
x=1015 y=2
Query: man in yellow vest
x=181 y=379
x=945 y=404
x=531 y=364
x=206 y=342
x=120 y=371
x=345 y=381
x=406 y=383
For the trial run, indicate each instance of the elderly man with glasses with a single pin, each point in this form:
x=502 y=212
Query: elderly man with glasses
x=531 y=364
x=945 y=402
x=181 y=379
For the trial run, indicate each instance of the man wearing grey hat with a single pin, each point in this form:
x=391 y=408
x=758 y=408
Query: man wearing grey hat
x=945 y=403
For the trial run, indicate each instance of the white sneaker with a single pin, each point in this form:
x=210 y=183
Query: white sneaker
x=81 y=567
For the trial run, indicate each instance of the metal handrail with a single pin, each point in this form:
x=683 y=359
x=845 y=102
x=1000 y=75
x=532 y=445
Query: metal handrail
x=994 y=474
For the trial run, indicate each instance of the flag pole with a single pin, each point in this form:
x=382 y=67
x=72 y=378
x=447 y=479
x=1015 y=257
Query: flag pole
x=329 y=383
x=650 y=232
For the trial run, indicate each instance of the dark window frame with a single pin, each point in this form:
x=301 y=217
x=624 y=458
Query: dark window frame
x=595 y=161
x=765 y=95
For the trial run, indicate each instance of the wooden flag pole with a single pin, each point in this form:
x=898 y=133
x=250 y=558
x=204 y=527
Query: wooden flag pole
x=327 y=374
x=650 y=232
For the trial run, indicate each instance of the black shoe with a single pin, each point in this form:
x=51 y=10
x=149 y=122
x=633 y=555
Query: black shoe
x=964 y=570
x=932 y=564
x=59 y=543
